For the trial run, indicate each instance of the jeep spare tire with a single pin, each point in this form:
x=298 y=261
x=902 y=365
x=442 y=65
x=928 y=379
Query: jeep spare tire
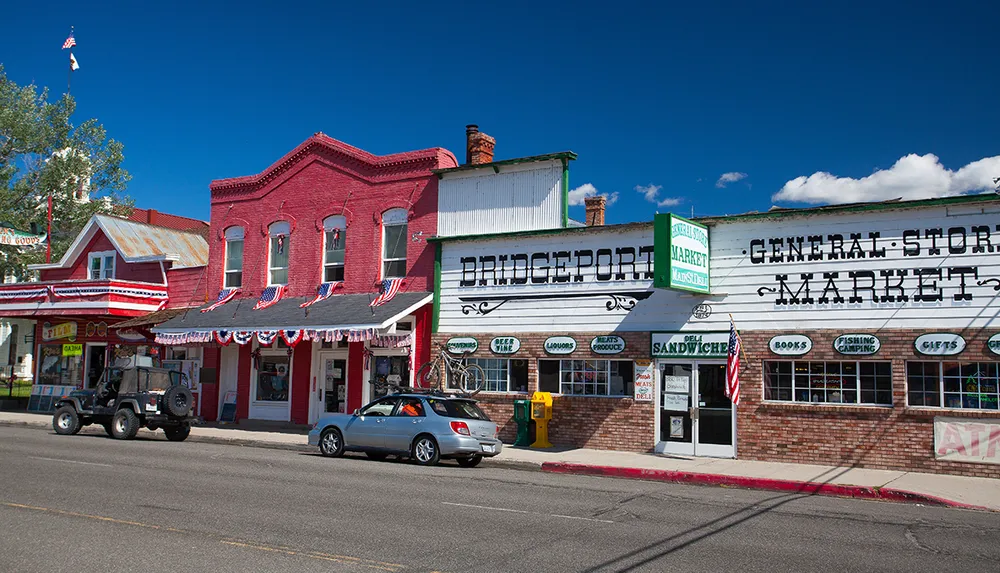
x=178 y=400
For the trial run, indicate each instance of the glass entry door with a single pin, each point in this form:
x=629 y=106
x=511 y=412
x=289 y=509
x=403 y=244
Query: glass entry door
x=335 y=384
x=695 y=417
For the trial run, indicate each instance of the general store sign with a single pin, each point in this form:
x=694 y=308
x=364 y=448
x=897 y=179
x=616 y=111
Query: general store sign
x=690 y=344
x=975 y=442
x=644 y=380
x=63 y=330
x=680 y=259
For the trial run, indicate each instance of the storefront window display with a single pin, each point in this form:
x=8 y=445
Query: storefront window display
x=828 y=382
x=59 y=369
x=587 y=377
x=390 y=370
x=502 y=374
x=273 y=378
x=967 y=385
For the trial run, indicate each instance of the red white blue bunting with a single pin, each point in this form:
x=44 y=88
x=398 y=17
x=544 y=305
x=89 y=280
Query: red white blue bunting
x=266 y=337
x=224 y=337
x=243 y=337
x=291 y=337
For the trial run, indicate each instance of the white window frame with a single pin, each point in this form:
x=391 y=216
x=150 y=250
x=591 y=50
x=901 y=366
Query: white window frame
x=329 y=224
x=273 y=231
x=857 y=384
x=391 y=218
x=940 y=386
x=232 y=234
x=101 y=255
x=607 y=373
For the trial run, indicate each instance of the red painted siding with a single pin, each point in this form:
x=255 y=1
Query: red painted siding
x=355 y=375
x=186 y=287
x=301 y=382
x=144 y=272
x=243 y=383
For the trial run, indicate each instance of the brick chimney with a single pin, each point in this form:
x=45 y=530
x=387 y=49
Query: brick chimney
x=151 y=216
x=478 y=146
x=595 y=210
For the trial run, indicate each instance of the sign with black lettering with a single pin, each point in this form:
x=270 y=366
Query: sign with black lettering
x=939 y=344
x=790 y=344
x=607 y=344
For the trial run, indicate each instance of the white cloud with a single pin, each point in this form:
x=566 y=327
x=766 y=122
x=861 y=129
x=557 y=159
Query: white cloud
x=731 y=177
x=911 y=177
x=652 y=194
x=576 y=196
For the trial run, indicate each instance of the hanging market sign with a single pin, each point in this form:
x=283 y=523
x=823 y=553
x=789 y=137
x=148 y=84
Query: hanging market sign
x=690 y=344
x=939 y=344
x=11 y=236
x=790 y=344
x=994 y=344
x=505 y=345
x=559 y=345
x=72 y=350
x=857 y=344
x=63 y=330
x=462 y=345
x=607 y=344
x=680 y=254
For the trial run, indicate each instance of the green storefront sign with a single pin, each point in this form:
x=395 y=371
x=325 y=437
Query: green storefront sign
x=689 y=344
x=680 y=254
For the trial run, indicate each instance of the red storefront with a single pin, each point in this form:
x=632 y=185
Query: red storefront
x=114 y=270
x=330 y=216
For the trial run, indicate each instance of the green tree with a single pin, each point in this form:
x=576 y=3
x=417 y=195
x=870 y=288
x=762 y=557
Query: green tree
x=42 y=153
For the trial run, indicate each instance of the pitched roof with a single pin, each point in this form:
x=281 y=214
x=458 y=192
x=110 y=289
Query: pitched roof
x=348 y=311
x=138 y=243
x=390 y=164
x=154 y=217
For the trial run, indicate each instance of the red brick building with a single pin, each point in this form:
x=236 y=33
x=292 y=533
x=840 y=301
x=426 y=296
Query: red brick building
x=324 y=214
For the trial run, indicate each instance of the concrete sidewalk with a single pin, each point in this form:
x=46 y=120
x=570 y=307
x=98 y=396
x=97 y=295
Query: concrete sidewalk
x=932 y=489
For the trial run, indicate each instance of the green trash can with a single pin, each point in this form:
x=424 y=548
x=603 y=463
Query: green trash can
x=522 y=415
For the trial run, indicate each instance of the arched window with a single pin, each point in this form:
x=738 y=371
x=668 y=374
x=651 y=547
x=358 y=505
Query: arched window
x=233 y=274
x=277 y=261
x=334 y=240
x=394 y=241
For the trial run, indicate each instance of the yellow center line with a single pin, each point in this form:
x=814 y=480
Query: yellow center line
x=380 y=565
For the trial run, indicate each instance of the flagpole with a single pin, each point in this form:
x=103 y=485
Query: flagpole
x=48 y=231
x=738 y=337
x=69 y=75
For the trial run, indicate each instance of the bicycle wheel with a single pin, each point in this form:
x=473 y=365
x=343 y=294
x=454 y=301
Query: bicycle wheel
x=429 y=376
x=473 y=379
x=381 y=387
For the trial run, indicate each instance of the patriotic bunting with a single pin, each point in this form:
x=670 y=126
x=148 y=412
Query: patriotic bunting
x=291 y=337
x=270 y=296
x=266 y=337
x=392 y=340
x=243 y=337
x=225 y=295
x=25 y=294
x=175 y=339
x=224 y=337
x=387 y=290
x=324 y=292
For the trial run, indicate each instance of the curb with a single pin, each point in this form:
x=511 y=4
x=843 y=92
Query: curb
x=790 y=486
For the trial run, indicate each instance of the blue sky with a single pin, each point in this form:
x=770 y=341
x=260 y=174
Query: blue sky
x=861 y=100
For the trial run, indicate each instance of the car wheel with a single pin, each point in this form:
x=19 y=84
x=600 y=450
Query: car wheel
x=178 y=400
x=425 y=450
x=377 y=456
x=331 y=443
x=65 y=421
x=469 y=462
x=178 y=433
x=125 y=424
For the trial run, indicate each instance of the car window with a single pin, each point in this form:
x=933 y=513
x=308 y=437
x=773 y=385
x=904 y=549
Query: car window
x=464 y=409
x=383 y=407
x=114 y=379
x=412 y=407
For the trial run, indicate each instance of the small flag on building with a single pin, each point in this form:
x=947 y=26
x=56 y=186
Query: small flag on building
x=324 y=292
x=270 y=296
x=733 y=365
x=387 y=290
x=70 y=42
x=225 y=295
x=73 y=65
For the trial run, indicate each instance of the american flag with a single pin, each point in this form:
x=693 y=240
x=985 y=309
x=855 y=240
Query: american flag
x=270 y=296
x=324 y=292
x=733 y=365
x=70 y=42
x=225 y=295
x=387 y=290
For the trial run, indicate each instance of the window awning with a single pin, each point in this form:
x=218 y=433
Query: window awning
x=347 y=314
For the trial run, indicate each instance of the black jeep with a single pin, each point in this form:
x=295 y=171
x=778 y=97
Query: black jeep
x=128 y=399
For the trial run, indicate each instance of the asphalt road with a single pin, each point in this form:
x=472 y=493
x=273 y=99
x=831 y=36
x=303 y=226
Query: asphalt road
x=89 y=503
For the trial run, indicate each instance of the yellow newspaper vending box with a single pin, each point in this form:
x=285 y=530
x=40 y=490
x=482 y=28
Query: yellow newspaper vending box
x=541 y=413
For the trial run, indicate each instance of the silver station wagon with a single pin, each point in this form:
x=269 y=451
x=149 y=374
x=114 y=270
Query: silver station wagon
x=422 y=427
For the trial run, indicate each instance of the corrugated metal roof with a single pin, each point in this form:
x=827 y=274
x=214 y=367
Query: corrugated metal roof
x=139 y=240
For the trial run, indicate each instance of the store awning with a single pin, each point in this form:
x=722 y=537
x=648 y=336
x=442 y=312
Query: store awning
x=342 y=315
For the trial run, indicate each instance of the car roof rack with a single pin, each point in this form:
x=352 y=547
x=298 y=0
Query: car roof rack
x=429 y=392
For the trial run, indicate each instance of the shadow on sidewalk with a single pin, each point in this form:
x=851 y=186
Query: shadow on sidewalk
x=259 y=426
